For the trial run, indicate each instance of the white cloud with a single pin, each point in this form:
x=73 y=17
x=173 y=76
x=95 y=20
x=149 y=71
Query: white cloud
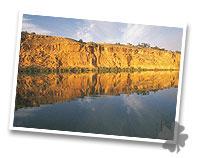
x=134 y=33
x=85 y=32
x=109 y=32
x=30 y=27
x=112 y=32
x=164 y=37
x=98 y=31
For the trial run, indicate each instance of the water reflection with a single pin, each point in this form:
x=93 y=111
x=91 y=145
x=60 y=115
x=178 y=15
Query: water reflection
x=52 y=88
x=137 y=104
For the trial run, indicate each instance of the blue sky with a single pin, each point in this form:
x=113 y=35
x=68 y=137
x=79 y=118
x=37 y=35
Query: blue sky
x=169 y=38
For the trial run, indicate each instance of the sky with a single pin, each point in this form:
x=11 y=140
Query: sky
x=169 y=38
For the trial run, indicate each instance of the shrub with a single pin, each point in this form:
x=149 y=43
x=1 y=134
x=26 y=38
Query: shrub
x=23 y=35
x=80 y=40
x=145 y=45
x=93 y=44
x=129 y=44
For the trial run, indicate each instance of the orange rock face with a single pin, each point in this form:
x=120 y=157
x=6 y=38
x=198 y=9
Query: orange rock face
x=42 y=51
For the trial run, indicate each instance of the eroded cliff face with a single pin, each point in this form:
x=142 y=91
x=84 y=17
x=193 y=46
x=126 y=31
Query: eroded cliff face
x=59 y=53
x=34 y=90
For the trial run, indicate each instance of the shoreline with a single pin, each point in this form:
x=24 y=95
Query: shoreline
x=87 y=70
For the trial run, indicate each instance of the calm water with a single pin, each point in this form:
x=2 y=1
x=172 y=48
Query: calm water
x=136 y=104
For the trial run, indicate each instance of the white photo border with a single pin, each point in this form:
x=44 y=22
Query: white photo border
x=11 y=127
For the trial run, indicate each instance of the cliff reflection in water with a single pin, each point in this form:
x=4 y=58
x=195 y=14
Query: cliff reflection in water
x=34 y=90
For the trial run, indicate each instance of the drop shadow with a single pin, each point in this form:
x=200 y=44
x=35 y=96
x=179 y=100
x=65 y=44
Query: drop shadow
x=78 y=138
x=180 y=137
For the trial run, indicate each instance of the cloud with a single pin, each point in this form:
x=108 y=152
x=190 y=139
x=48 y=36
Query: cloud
x=28 y=26
x=164 y=37
x=98 y=31
x=136 y=33
x=85 y=32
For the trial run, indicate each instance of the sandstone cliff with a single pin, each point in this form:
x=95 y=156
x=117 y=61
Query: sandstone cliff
x=40 y=51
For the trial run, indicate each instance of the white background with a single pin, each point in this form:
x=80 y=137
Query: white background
x=23 y=144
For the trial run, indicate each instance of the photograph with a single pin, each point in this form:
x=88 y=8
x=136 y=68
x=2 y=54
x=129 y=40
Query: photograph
x=98 y=78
